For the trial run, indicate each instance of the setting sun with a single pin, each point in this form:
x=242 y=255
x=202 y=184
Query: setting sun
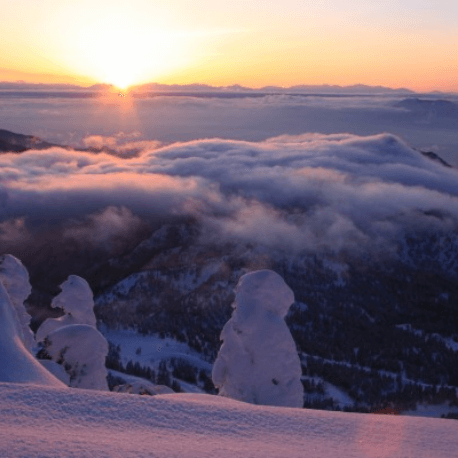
x=249 y=43
x=116 y=49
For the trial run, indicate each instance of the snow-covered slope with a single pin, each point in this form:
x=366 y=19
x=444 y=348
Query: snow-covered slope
x=46 y=422
x=150 y=350
x=348 y=321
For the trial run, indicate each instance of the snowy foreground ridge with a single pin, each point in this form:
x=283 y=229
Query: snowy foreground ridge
x=41 y=417
x=38 y=421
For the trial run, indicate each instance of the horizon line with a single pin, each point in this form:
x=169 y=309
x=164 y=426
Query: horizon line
x=196 y=85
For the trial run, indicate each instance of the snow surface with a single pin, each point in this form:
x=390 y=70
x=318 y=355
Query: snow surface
x=56 y=369
x=153 y=349
x=16 y=363
x=140 y=386
x=156 y=389
x=432 y=410
x=37 y=422
x=258 y=360
x=339 y=395
x=452 y=344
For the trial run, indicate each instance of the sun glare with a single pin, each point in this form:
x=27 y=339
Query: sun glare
x=123 y=58
x=120 y=50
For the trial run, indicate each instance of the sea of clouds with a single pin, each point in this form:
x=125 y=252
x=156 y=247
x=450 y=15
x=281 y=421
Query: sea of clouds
x=64 y=120
x=310 y=193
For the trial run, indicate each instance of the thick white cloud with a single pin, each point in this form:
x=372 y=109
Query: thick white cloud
x=307 y=192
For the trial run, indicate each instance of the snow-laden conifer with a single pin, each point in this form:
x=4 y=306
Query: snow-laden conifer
x=81 y=350
x=258 y=361
x=76 y=300
x=15 y=279
x=16 y=362
x=72 y=340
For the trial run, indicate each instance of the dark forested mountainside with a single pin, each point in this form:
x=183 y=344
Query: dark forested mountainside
x=385 y=332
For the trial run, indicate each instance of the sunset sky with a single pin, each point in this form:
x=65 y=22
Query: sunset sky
x=396 y=43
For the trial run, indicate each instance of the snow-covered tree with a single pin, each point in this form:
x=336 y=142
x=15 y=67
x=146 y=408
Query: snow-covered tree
x=15 y=279
x=16 y=362
x=258 y=361
x=72 y=340
x=56 y=369
x=81 y=350
x=76 y=300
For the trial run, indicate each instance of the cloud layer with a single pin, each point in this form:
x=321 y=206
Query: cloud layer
x=310 y=192
x=427 y=124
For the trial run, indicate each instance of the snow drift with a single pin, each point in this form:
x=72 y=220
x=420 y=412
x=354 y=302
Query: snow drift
x=39 y=421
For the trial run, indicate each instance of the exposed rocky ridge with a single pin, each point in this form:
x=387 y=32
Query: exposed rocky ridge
x=10 y=141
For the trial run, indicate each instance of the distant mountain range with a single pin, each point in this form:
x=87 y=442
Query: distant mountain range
x=157 y=87
x=309 y=89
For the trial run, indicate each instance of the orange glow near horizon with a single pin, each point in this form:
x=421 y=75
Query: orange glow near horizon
x=130 y=43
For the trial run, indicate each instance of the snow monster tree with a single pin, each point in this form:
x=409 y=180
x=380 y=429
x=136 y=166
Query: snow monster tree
x=76 y=300
x=15 y=279
x=72 y=341
x=17 y=364
x=81 y=350
x=258 y=361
